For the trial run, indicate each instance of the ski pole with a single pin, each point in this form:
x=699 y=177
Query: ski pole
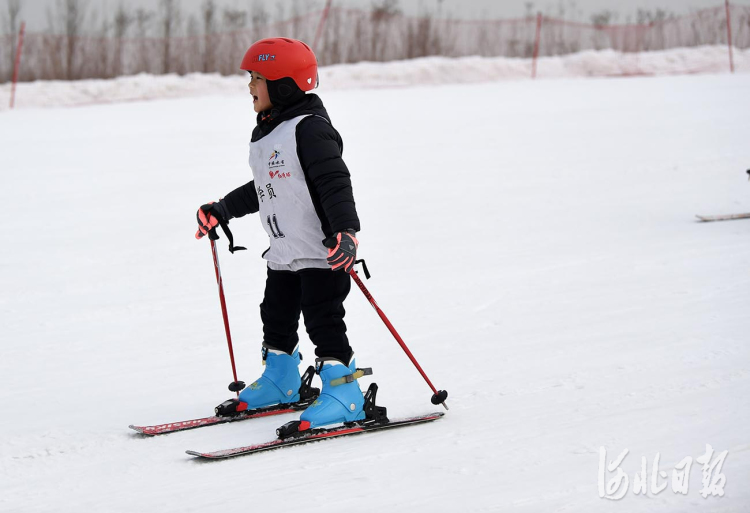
x=439 y=396
x=236 y=385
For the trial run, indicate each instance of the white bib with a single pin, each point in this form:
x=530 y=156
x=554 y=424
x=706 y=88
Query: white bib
x=286 y=210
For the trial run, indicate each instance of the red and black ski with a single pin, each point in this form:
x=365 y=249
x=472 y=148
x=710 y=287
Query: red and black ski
x=172 y=427
x=232 y=411
x=315 y=435
x=729 y=217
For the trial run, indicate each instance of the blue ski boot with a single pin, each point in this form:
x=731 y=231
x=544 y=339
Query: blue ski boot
x=280 y=382
x=341 y=399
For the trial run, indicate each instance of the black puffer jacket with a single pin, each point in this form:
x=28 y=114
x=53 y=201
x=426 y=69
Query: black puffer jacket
x=319 y=148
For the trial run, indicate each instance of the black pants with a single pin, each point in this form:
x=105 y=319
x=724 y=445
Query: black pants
x=319 y=294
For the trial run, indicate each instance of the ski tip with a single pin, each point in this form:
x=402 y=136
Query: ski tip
x=141 y=430
x=725 y=217
x=202 y=455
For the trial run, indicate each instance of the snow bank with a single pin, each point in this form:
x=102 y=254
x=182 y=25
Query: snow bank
x=430 y=70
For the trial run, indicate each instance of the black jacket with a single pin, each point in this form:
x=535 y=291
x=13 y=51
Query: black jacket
x=319 y=148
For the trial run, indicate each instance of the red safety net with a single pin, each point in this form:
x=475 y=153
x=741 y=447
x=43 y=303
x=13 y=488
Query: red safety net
x=354 y=35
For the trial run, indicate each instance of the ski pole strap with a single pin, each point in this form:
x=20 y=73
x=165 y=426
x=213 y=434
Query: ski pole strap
x=364 y=267
x=351 y=377
x=225 y=228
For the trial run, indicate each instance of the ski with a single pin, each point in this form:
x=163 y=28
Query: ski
x=184 y=425
x=729 y=217
x=315 y=435
x=234 y=411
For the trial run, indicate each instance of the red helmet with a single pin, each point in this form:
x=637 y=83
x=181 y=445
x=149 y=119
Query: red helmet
x=279 y=57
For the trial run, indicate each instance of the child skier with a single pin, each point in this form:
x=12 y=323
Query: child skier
x=302 y=190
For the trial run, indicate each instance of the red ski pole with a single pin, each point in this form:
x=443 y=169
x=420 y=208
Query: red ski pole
x=236 y=385
x=439 y=396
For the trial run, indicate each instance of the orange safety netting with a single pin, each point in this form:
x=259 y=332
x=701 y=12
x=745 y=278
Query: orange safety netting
x=355 y=35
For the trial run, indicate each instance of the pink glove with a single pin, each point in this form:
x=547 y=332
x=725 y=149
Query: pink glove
x=342 y=251
x=208 y=219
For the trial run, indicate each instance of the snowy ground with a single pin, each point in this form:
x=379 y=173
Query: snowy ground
x=534 y=243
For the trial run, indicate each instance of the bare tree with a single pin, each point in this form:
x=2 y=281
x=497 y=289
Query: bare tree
x=234 y=20
x=208 y=12
x=71 y=15
x=123 y=20
x=280 y=11
x=601 y=38
x=603 y=18
x=529 y=6
x=191 y=55
x=646 y=17
x=259 y=17
x=143 y=21
x=11 y=26
x=170 y=22
x=384 y=9
x=74 y=16
x=382 y=13
x=11 y=19
x=421 y=36
x=297 y=21
x=97 y=58
x=654 y=38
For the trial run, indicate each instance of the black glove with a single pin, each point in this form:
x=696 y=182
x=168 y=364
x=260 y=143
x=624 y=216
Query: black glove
x=209 y=217
x=342 y=250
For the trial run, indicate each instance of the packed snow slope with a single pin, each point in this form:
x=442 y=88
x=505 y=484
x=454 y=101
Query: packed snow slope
x=533 y=242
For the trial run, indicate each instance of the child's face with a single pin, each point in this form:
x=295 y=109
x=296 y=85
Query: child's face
x=259 y=90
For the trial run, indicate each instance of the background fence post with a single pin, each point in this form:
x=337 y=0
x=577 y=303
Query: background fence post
x=17 y=64
x=321 y=24
x=729 y=36
x=536 y=43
